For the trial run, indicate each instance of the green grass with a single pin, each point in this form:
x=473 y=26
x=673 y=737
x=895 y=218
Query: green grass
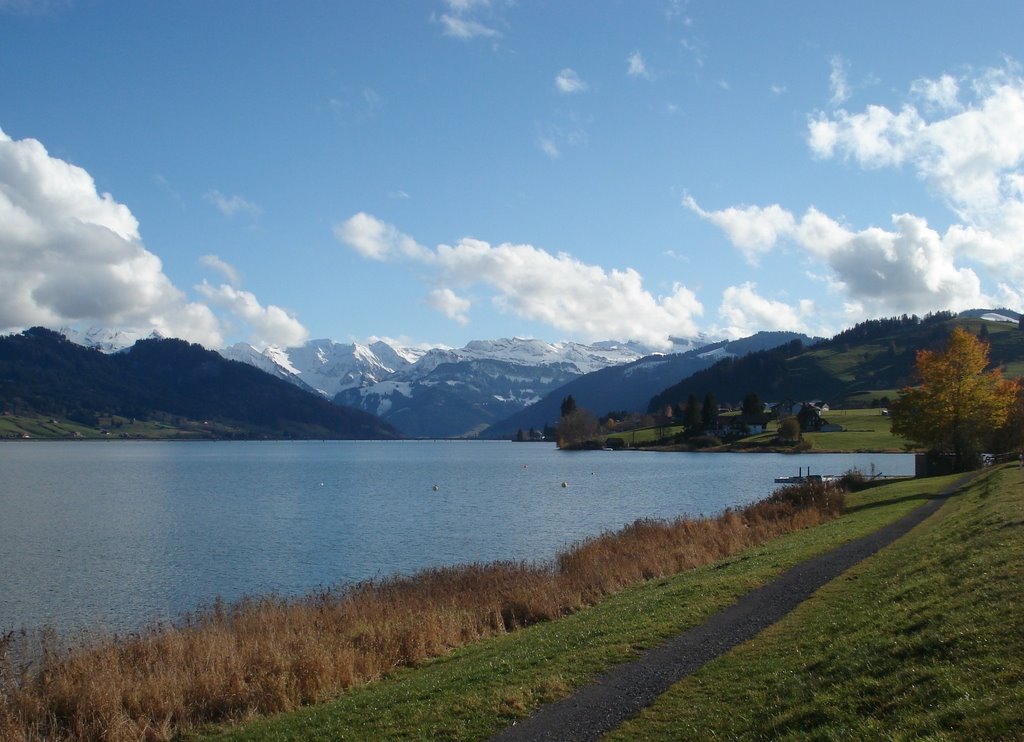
x=476 y=691
x=109 y=427
x=864 y=430
x=924 y=640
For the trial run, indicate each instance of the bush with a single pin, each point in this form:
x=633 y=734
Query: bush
x=853 y=481
x=826 y=496
x=705 y=441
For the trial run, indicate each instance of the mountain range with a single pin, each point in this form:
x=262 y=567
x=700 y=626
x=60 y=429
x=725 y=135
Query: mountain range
x=493 y=388
x=441 y=392
x=166 y=380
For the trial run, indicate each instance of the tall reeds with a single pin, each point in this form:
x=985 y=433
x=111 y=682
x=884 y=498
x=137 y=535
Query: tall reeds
x=271 y=654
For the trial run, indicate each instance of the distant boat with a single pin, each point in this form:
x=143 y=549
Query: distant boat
x=808 y=477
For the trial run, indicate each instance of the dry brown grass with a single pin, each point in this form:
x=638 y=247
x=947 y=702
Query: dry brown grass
x=264 y=655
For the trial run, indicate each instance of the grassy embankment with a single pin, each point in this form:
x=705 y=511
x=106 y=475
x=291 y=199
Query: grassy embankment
x=268 y=655
x=475 y=691
x=925 y=638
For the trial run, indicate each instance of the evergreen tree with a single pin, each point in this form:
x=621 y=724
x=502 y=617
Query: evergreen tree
x=568 y=406
x=709 y=411
x=752 y=404
x=691 y=415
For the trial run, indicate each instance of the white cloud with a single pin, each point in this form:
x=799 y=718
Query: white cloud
x=876 y=138
x=837 y=81
x=637 y=67
x=464 y=6
x=568 y=81
x=910 y=268
x=377 y=240
x=463 y=21
x=943 y=93
x=271 y=325
x=548 y=147
x=225 y=269
x=753 y=229
x=970 y=152
x=746 y=312
x=557 y=290
x=72 y=255
x=465 y=28
x=231 y=205
x=450 y=304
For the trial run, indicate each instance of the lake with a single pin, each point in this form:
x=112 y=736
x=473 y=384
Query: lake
x=117 y=535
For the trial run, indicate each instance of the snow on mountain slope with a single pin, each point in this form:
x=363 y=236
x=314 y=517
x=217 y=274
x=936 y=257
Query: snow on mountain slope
x=995 y=317
x=103 y=339
x=326 y=366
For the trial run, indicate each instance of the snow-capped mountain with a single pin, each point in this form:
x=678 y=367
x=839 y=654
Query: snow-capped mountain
x=327 y=366
x=441 y=392
x=104 y=339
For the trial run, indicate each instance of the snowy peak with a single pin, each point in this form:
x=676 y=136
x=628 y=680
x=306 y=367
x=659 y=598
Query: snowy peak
x=395 y=358
x=580 y=358
x=105 y=340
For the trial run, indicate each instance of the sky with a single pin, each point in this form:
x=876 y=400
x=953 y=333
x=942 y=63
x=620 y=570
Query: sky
x=439 y=171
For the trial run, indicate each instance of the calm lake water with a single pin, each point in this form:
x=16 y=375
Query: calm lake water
x=117 y=535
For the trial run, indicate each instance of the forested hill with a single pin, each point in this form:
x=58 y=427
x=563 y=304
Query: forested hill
x=41 y=372
x=868 y=362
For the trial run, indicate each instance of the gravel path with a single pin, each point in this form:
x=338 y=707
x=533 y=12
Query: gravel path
x=623 y=691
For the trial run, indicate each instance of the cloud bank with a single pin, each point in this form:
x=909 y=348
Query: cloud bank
x=72 y=256
x=556 y=290
x=964 y=138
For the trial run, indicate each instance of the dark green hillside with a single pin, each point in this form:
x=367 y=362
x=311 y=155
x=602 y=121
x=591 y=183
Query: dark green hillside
x=42 y=373
x=870 y=361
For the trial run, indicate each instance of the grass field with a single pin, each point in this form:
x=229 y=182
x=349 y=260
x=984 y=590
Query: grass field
x=926 y=640
x=863 y=430
x=112 y=427
x=477 y=690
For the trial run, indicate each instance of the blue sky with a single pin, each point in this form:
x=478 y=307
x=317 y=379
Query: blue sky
x=441 y=171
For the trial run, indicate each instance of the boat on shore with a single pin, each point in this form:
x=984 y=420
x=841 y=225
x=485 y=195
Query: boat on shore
x=808 y=477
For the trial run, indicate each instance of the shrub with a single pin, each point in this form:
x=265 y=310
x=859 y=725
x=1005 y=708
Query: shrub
x=705 y=441
x=827 y=496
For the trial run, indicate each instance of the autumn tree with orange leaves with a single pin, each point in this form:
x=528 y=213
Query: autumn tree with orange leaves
x=959 y=406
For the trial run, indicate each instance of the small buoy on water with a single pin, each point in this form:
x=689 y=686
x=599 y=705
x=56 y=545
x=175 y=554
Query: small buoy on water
x=565 y=484
x=321 y=484
x=526 y=466
x=437 y=487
